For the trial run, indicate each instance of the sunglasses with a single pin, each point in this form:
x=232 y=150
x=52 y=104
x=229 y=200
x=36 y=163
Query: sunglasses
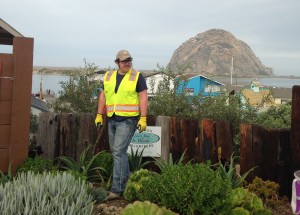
x=126 y=61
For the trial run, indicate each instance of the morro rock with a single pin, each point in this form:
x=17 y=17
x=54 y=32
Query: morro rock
x=217 y=53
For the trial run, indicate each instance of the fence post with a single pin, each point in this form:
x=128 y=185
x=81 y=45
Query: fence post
x=47 y=135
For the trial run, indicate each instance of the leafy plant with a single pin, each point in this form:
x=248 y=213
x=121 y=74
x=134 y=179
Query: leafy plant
x=245 y=202
x=46 y=194
x=6 y=177
x=85 y=166
x=266 y=190
x=37 y=165
x=228 y=172
x=135 y=160
x=145 y=208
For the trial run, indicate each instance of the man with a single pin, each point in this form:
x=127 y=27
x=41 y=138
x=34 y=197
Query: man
x=125 y=100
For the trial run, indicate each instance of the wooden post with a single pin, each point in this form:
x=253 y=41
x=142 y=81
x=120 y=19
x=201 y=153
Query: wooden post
x=47 y=135
x=164 y=122
x=208 y=140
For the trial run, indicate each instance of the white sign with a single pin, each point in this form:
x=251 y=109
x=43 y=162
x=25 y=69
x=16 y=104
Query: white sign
x=149 y=140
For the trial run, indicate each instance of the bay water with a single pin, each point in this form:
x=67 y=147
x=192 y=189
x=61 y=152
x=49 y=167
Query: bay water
x=51 y=82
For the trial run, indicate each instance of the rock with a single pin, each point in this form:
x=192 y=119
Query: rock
x=211 y=53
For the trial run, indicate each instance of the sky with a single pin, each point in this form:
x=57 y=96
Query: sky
x=66 y=32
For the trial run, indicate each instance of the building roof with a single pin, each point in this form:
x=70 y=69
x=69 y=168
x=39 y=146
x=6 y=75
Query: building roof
x=39 y=104
x=7 y=33
x=282 y=93
x=257 y=98
x=193 y=75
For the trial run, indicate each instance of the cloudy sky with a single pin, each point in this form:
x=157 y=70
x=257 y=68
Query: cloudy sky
x=67 y=31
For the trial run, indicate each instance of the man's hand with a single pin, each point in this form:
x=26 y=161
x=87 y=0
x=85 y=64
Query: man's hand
x=142 y=124
x=99 y=120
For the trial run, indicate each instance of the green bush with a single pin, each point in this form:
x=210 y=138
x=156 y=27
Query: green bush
x=135 y=183
x=45 y=194
x=145 y=208
x=37 y=165
x=189 y=189
x=105 y=161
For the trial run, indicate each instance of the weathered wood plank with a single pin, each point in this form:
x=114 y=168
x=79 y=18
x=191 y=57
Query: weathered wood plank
x=68 y=135
x=175 y=140
x=164 y=123
x=295 y=129
x=47 y=136
x=189 y=134
x=245 y=147
x=224 y=139
x=208 y=140
x=86 y=133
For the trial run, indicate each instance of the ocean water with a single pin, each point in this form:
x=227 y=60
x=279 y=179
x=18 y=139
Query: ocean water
x=51 y=81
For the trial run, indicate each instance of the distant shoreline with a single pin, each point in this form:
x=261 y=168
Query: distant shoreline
x=73 y=70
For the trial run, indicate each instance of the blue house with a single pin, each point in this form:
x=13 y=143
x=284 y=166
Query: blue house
x=194 y=83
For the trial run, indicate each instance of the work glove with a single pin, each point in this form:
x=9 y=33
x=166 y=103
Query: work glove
x=99 y=120
x=142 y=124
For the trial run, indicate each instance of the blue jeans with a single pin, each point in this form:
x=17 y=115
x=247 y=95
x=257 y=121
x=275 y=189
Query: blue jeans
x=120 y=134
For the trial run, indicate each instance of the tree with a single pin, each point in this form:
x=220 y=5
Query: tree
x=80 y=93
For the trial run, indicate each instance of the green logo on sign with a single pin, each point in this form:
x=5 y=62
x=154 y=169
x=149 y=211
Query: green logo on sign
x=145 y=138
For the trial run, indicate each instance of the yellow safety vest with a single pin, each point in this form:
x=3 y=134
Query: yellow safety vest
x=125 y=102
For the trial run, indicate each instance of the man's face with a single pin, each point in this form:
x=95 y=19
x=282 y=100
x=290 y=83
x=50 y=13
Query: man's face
x=126 y=64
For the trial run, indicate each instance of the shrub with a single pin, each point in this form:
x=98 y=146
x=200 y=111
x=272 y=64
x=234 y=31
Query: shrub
x=37 y=165
x=145 y=208
x=45 y=194
x=105 y=161
x=189 y=189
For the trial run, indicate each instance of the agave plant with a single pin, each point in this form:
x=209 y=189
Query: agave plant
x=85 y=166
x=228 y=171
x=161 y=163
x=135 y=160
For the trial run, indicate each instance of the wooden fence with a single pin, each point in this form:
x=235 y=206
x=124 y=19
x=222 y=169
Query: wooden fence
x=267 y=149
